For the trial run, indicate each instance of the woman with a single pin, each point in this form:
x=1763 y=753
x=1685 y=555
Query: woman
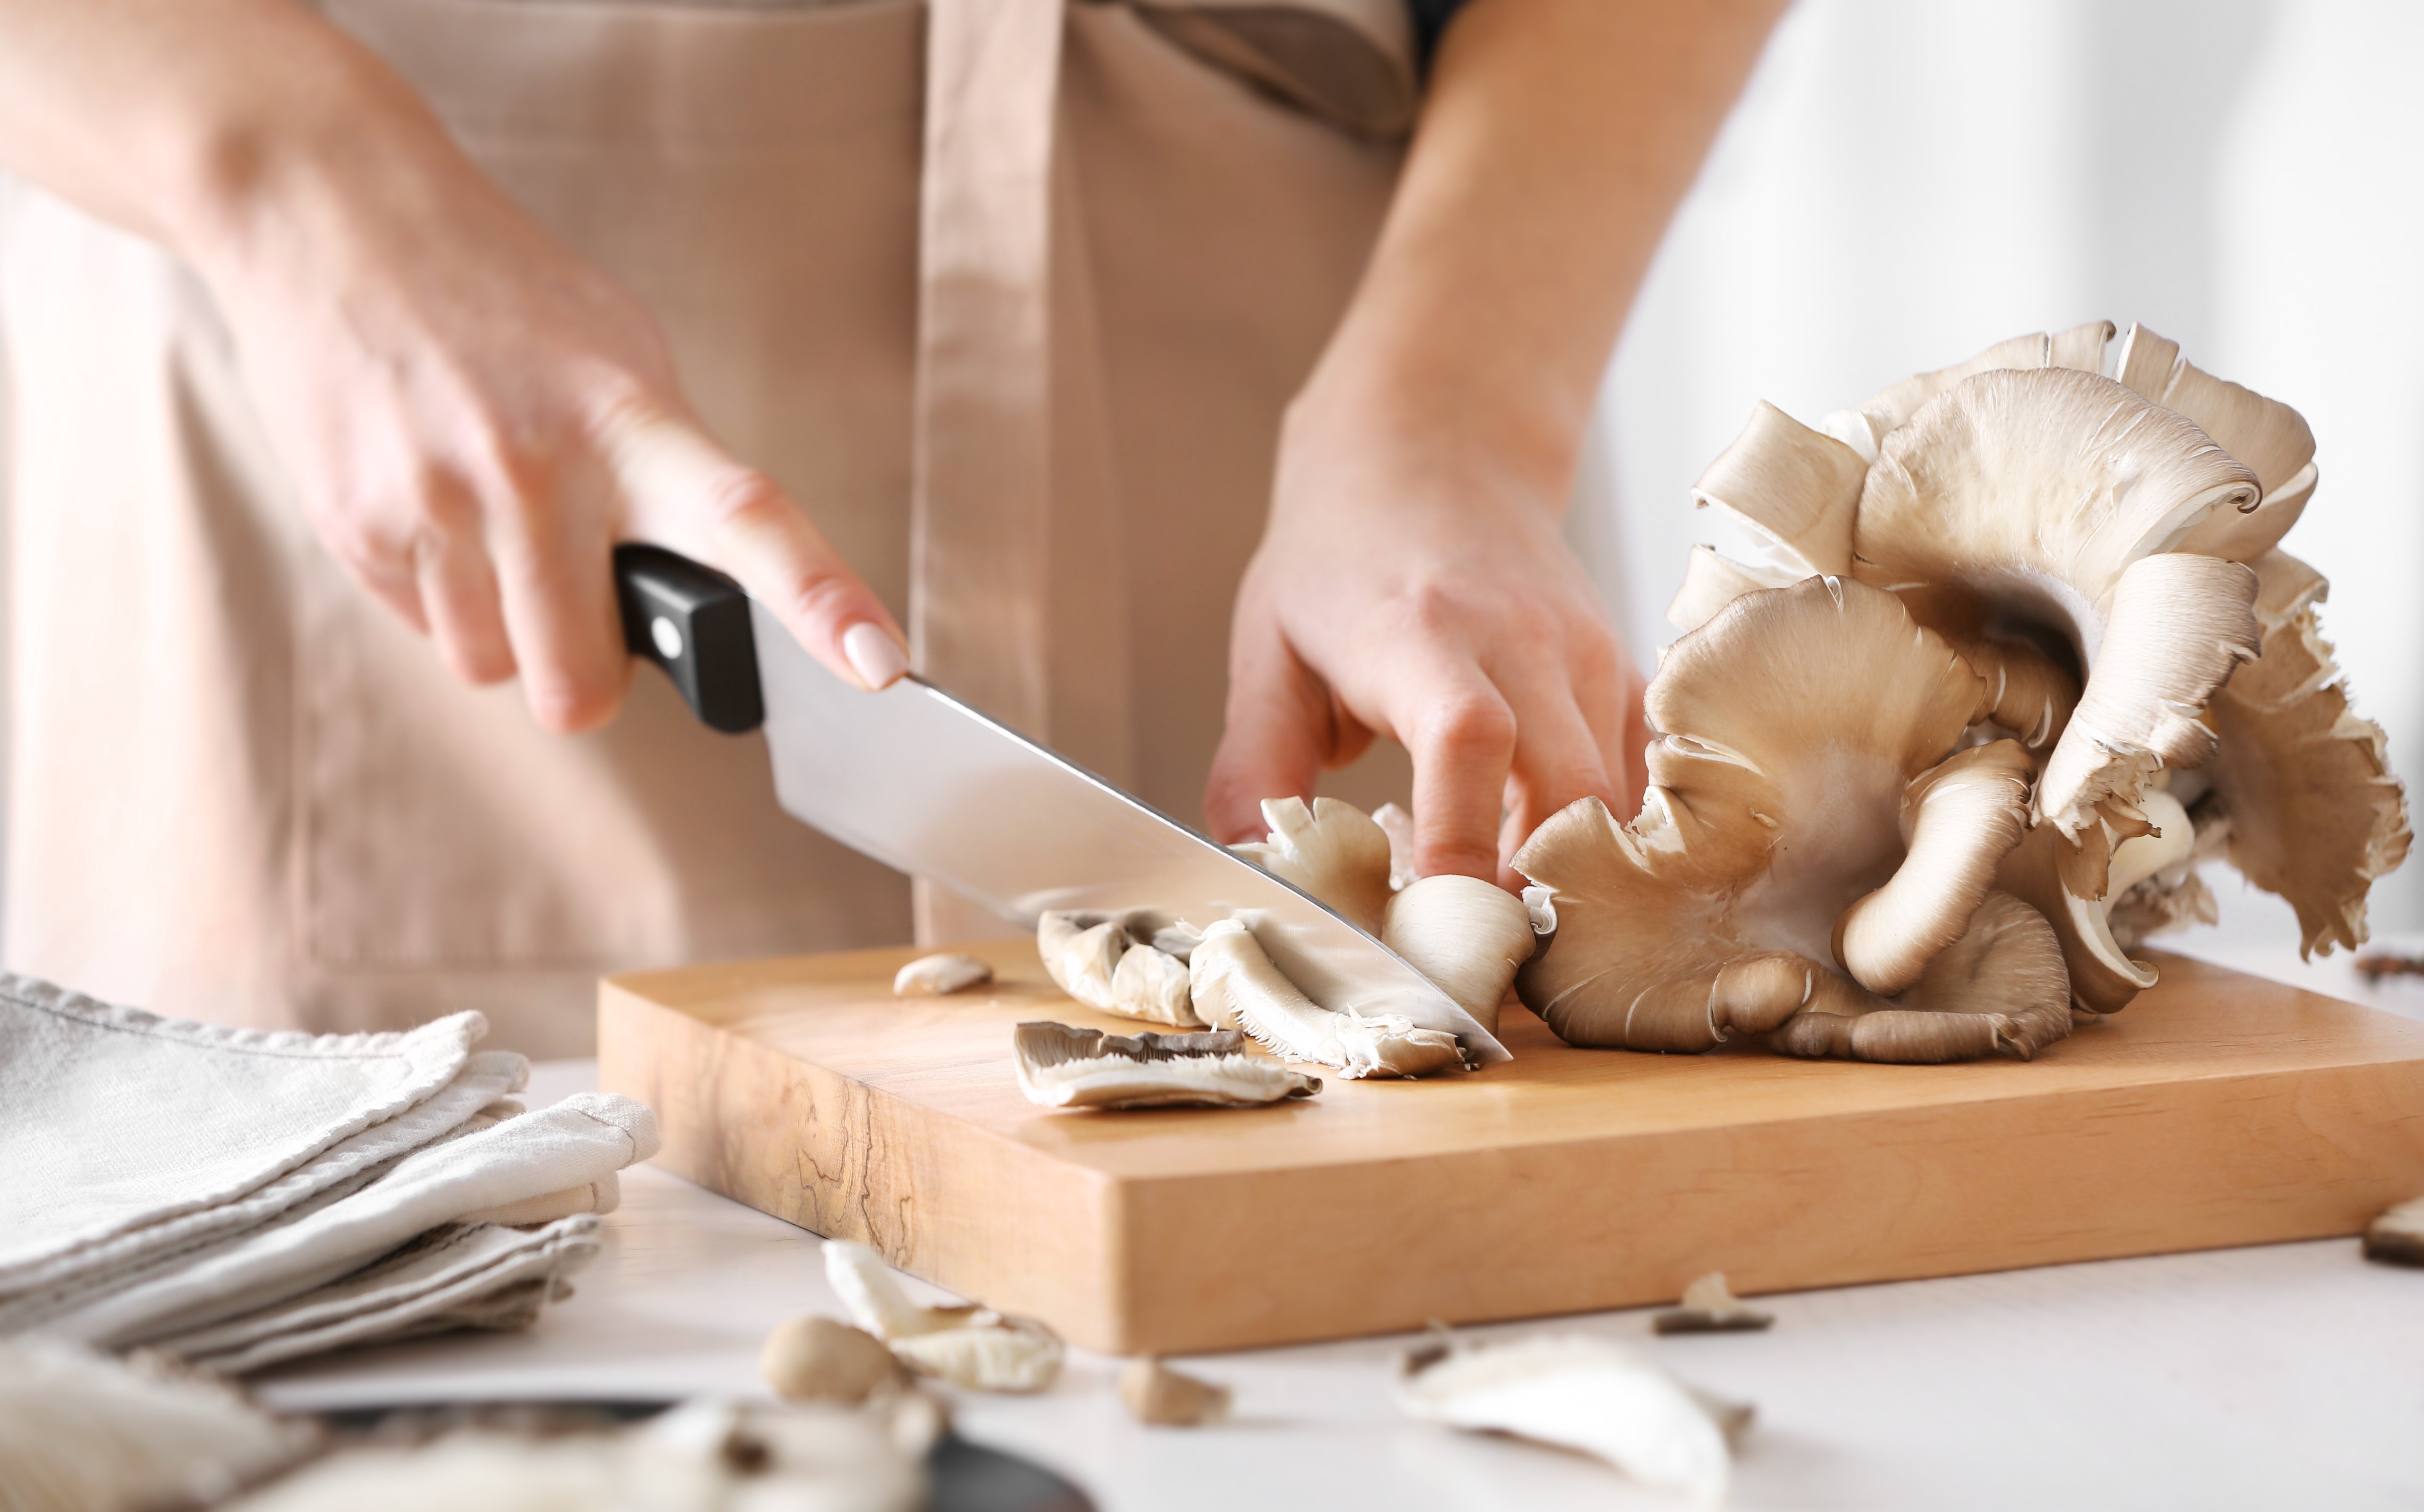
x=1019 y=312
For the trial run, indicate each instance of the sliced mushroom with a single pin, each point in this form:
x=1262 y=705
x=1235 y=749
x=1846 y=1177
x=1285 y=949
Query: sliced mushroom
x=1331 y=850
x=1099 y=960
x=1580 y=1393
x=1154 y=1394
x=1059 y=1066
x=1467 y=935
x=937 y=974
x=970 y=1346
x=1710 y=1306
x=1235 y=986
x=2396 y=1237
x=823 y=1359
x=1813 y=839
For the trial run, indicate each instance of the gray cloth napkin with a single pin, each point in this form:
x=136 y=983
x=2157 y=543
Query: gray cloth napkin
x=239 y=1198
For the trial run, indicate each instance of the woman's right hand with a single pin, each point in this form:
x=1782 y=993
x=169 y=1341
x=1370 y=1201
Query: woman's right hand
x=471 y=414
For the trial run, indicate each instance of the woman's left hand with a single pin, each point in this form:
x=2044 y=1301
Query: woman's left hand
x=1415 y=586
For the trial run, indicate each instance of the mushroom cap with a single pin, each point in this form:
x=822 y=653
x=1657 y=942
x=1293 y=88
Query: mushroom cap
x=1330 y=848
x=2315 y=815
x=1803 y=728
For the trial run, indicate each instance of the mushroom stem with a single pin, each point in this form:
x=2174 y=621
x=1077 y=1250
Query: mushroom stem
x=1964 y=814
x=1236 y=987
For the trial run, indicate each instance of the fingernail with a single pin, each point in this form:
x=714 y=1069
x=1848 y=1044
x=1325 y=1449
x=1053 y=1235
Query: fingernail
x=877 y=658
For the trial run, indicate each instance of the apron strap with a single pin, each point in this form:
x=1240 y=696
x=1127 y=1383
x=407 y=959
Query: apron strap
x=980 y=547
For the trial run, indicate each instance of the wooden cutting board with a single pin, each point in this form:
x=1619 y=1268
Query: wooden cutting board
x=2218 y=1110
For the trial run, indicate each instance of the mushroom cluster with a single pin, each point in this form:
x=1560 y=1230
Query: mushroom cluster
x=2022 y=651
x=1468 y=936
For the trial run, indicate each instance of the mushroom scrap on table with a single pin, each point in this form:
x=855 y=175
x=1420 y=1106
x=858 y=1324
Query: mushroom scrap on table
x=2021 y=652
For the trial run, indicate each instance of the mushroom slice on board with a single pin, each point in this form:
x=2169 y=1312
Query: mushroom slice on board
x=1332 y=849
x=1580 y=1393
x=970 y=1346
x=937 y=974
x=1236 y=986
x=1815 y=859
x=1059 y=1066
x=1117 y=963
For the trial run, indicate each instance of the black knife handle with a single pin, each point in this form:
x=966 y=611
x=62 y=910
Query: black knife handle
x=694 y=622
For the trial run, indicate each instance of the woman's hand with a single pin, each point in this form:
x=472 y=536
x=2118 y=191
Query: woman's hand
x=1409 y=586
x=472 y=415
x=1413 y=581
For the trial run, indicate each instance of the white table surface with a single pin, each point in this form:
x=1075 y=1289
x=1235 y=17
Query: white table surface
x=2289 y=1375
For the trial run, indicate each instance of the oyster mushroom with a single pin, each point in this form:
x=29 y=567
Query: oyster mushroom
x=1331 y=850
x=1235 y=986
x=2396 y=1236
x=1465 y=934
x=1815 y=857
x=1710 y=1306
x=937 y=974
x=822 y=1360
x=1064 y=1067
x=2081 y=541
x=1099 y=960
x=968 y=1346
x=1155 y=1394
x=1580 y=1393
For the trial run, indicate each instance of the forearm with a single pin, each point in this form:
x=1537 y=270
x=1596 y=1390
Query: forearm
x=1558 y=138
x=203 y=124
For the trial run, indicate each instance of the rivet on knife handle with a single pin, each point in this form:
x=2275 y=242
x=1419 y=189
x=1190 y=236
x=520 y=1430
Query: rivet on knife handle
x=694 y=622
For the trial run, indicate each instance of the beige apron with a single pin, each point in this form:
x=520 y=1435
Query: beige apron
x=240 y=790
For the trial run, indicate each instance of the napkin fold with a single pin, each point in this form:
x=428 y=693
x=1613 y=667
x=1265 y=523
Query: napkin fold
x=238 y=1199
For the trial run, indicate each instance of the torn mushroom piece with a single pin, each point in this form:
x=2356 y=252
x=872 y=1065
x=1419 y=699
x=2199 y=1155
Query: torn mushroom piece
x=937 y=974
x=1236 y=987
x=1155 y=1394
x=1580 y=1393
x=2396 y=1237
x=1815 y=857
x=1331 y=850
x=970 y=1346
x=822 y=1359
x=1710 y=1306
x=1064 y=1067
x=1116 y=963
x=2081 y=541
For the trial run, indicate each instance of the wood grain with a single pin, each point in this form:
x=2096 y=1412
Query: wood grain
x=2218 y=1110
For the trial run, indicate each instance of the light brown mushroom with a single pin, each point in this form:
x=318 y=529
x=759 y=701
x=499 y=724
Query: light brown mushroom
x=1467 y=935
x=1331 y=850
x=2396 y=1236
x=1116 y=963
x=1581 y=1393
x=1710 y=1306
x=937 y=974
x=1155 y=1394
x=1236 y=986
x=823 y=1359
x=1059 y=1066
x=970 y=1346
x=1815 y=859
x=2080 y=540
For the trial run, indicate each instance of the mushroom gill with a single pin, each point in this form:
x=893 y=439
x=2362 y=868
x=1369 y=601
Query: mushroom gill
x=1814 y=860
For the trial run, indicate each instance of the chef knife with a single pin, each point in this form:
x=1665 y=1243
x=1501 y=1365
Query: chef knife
x=929 y=786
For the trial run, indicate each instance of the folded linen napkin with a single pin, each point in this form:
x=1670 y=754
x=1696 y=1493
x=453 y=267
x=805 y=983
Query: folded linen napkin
x=238 y=1197
x=112 y=1119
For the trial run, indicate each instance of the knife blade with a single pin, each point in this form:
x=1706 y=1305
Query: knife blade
x=927 y=784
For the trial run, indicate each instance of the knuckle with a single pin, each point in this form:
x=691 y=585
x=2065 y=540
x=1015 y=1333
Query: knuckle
x=1472 y=725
